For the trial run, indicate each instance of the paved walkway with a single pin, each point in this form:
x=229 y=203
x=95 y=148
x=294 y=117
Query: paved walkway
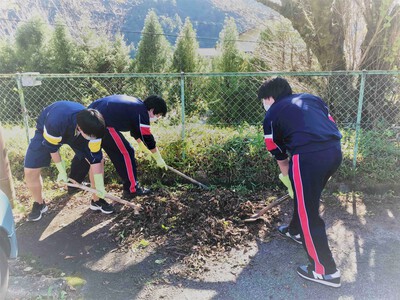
x=363 y=232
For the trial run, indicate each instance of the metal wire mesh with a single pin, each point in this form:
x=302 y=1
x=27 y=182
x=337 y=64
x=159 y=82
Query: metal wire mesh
x=365 y=105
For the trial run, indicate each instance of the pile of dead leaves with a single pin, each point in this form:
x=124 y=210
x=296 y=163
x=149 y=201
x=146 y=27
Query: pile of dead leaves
x=189 y=222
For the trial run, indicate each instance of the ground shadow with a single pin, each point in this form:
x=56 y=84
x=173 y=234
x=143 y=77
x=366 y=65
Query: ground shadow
x=363 y=233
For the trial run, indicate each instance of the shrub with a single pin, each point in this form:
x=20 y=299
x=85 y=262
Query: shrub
x=231 y=157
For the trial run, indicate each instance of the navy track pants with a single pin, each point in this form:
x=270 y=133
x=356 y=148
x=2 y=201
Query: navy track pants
x=309 y=173
x=121 y=154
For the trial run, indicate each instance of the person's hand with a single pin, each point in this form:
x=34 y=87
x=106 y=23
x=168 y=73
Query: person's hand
x=159 y=160
x=62 y=173
x=287 y=183
x=143 y=148
x=99 y=182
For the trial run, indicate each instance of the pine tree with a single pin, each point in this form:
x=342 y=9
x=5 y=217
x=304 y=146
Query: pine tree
x=31 y=46
x=234 y=98
x=153 y=50
x=231 y=59
x=94 y=51
x=8 y=57
x=62 y=49
x=185 y=58
x=121 y=54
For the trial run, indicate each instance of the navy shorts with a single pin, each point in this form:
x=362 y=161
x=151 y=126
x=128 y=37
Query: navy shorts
x=38 y=155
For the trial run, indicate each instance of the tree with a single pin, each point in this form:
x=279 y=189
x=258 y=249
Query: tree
x=31 y=46
x=381 y=45
x=233 y=98
x=231 y=59
x=380 y=51
x=153 y=50
x=324 y=26
x=94 y=49
x=320 y=24
x=99 y=52
x=279 y=47
x=153 y=56
x=9 y=101
x=121 y=54
x=185 y=57
x=8 y=57
x=62 y=49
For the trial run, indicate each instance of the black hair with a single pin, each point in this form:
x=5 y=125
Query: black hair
x=91 y=122
x=157 y=103
x=276 y=88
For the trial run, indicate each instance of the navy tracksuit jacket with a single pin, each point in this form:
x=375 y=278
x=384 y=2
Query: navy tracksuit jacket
x=301 y=125
x=56 y=126
x=121 y=113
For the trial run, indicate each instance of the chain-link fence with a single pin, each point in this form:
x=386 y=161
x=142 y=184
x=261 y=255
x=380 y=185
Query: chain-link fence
x=364 y=104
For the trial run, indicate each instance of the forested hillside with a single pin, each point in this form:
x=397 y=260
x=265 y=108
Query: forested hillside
x=127 y=16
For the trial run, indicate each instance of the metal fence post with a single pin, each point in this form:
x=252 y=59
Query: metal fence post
x=183 y=111
x=359 y=111
x=23 y=106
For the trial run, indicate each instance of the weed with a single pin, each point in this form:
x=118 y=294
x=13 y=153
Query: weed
x=75 y=281
x=143 y=243
x=233 y=157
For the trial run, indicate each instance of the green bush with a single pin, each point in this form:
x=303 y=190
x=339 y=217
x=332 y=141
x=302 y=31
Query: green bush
x=231 y=157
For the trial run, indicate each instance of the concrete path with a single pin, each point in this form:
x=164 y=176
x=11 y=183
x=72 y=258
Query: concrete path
x=363 y=233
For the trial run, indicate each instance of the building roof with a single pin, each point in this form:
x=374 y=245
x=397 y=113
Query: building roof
x=247 y=43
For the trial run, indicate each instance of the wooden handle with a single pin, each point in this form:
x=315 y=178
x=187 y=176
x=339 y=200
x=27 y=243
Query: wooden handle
x=75 y=184
x=187 y=177
x=267 y=208
x=273 y=204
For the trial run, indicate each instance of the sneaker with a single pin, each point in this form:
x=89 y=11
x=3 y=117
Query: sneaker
x=284 y=231
x=37 y=211
x=102 y=205
x=140 y=191
x=332 y=280
x=73 y=190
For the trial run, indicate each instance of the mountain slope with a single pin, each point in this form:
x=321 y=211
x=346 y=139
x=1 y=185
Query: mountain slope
x=127 y=16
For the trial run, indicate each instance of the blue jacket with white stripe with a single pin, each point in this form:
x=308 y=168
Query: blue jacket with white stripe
x=57 y=122
x=299 y=123
x=126 y=113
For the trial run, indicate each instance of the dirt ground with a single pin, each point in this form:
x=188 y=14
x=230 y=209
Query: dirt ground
x=192 y=244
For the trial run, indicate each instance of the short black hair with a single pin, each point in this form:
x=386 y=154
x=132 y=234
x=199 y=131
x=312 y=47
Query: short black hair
x=91 y=122
x=157 y=103
x=276 y=88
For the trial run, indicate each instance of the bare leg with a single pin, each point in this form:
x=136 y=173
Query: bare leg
x=34 y=183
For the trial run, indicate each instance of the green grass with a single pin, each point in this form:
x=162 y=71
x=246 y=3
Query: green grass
x=232 y=157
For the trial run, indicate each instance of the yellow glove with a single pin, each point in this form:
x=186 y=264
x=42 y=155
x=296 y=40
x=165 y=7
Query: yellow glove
x=287 y=183
x=99 y=182
x=159 y=160
x=143 y=148
x=62 y=173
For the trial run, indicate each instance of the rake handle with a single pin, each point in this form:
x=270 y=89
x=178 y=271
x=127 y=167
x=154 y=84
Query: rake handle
x=75 y=184
x=267 y=208
x=187 y=177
